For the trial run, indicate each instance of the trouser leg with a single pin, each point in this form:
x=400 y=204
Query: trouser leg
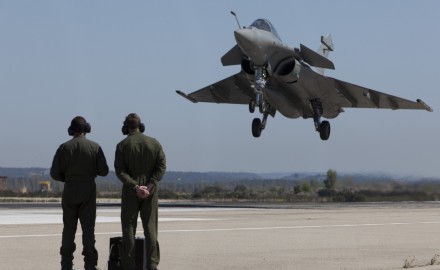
x=129 y=215
x=70 y=221
x=87 y=218
x=149 y=216
x=67 y=258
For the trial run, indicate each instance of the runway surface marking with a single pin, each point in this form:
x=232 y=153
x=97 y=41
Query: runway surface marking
x=305 y=227
x=58 y=219
x=52 y=216
x=247 y=229
x=55 y=216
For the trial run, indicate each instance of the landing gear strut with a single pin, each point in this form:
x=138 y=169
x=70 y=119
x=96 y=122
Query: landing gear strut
x=322 y=127
x=260 y=84
x=252 y=106
x=264 y=107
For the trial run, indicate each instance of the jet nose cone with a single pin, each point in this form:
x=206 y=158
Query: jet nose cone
x=245 y=38
x=253 y=44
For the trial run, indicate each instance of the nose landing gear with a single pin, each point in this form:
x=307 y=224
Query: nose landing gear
x=257 y=124
x=263 y=106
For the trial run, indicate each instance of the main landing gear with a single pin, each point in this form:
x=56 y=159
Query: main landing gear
x=322 y=127
x=259 y=124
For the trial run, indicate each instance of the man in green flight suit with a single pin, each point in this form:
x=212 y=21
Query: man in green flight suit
x=140 y=164
x=77 y=162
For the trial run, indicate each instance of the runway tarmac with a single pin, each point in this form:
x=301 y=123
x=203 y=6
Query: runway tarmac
x=299 y=236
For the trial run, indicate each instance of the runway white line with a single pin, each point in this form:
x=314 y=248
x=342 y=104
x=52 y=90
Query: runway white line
x=55 y=216
x=304 y=227
x=58 y=219
x=246 y=229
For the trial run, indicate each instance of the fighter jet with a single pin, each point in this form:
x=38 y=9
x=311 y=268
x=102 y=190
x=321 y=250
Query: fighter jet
x=275 y=77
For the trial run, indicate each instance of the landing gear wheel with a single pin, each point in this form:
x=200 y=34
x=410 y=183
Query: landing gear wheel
x=324 y=130
x=256 y=127
x=252 y=106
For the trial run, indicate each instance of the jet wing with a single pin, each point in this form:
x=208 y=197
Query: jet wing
x=361 y=97
x=234 y=90
x=232 y=57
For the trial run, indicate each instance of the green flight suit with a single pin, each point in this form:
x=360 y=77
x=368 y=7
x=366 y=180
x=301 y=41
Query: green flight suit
x=77 y=162
x=139 y=160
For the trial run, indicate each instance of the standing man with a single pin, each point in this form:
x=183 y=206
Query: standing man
x=140 y=164
x=77 y=162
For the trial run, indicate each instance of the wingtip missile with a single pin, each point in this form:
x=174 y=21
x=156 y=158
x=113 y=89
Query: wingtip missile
x=429 y=109
x=186 y=96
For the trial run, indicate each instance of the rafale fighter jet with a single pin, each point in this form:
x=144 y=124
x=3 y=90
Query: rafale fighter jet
x=275 y=77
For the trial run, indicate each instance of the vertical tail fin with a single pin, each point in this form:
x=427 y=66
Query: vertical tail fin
x=325 y=48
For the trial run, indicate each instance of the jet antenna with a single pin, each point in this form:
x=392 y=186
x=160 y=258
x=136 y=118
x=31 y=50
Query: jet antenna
x=233 y=13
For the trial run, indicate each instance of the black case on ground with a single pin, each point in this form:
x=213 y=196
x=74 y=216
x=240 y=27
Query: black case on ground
x=114 y=258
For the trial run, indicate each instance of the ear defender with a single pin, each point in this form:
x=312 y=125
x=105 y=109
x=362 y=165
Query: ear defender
x=70 y=131
x=78 y=125
x=87 y=128
x=73 y=129
x=125 y=130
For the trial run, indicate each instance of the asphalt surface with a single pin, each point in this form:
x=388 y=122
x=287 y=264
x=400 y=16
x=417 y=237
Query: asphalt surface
x=246 y=236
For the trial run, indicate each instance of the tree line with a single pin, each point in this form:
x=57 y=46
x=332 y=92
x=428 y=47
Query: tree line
x=250 y=187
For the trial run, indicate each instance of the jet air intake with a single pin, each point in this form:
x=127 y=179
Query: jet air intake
x=247 y=67
x=288 y=70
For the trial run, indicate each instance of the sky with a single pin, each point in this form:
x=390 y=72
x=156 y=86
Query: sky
x=106 y=59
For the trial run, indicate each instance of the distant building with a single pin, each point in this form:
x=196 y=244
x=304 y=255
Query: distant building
x=3 y=183
x=45 y=186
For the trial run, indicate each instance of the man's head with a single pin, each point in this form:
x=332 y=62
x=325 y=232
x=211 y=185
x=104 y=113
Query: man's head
x=78 y=125
x=132 y=122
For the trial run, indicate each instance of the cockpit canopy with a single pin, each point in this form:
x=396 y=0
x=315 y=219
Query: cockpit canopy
x=265 y=25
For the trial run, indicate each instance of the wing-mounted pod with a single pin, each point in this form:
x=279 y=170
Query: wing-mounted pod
x=288 y=70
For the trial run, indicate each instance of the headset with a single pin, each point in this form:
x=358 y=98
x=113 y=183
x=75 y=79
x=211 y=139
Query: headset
x=125 y=129
x=79 y=129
